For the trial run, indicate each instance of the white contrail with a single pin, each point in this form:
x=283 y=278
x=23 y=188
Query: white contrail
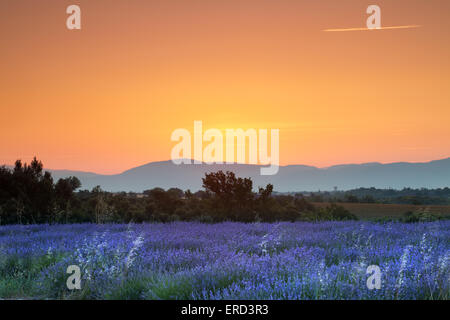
x=367 y=29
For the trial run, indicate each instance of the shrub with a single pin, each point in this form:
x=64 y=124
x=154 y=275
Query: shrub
x=331 y=212
x=340 y=213
x=420 y=215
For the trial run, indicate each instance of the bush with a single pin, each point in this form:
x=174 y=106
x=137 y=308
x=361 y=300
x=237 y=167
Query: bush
x=340 y=213
x=331 y=212
x=420 y=215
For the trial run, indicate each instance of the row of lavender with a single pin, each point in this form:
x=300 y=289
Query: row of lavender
x=183 y=260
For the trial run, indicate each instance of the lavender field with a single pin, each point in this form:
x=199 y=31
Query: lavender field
x=183 y=260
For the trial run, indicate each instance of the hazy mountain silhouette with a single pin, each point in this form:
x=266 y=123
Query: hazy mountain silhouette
x=165 y=174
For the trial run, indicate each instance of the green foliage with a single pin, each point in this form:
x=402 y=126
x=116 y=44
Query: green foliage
x=129 y=289
x=331 y=212
x=19 y=275
x=420 y=215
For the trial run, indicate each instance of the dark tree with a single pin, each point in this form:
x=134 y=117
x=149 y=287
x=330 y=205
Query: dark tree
x=231 y=196
x=64 y=192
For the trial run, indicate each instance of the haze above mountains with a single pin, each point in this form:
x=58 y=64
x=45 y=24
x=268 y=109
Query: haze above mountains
x=165 y=174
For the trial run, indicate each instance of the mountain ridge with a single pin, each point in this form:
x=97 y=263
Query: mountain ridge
x=290 y=178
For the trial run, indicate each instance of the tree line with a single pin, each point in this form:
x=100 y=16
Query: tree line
x=29 y=195
x=423 y=196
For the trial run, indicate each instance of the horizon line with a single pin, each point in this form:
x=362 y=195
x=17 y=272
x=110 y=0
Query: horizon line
x=248 y=164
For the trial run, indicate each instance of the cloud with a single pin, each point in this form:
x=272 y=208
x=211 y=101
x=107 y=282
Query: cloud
x=367 y=29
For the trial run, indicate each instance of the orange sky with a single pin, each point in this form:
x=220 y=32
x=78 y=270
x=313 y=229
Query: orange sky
x=107 y=98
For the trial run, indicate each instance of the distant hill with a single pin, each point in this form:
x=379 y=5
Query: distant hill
x=164 y=174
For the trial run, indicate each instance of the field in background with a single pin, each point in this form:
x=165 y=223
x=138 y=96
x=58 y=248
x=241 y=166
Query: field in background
x=377 y=210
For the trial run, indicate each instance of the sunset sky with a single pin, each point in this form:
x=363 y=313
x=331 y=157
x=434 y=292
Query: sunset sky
x=107 y=97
